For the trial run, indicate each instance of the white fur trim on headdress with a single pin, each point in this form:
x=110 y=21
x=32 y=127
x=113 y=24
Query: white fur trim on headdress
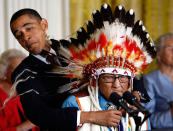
x=97 y=72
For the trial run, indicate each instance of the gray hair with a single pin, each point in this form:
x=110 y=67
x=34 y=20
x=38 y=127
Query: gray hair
x=5 y=57
x=161 y=41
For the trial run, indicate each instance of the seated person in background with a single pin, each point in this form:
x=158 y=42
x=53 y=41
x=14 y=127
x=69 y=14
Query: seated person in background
x=106 y=65
x=12 y=117
x=159 y=85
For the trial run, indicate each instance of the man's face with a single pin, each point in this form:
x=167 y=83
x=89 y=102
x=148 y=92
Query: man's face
x=109 y=84
x=166 y=54
x=30 y=33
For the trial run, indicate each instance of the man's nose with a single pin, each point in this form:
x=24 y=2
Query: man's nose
x=116 y=82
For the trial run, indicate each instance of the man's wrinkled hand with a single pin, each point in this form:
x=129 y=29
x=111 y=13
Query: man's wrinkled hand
x=104 y=118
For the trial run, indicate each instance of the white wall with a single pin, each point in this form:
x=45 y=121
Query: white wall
x=2 y=45
x=55 y=11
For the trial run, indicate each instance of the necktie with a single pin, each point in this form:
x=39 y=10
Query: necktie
x=53 y=59
x=50 y=57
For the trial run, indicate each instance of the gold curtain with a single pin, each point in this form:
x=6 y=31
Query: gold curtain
x=157 y=15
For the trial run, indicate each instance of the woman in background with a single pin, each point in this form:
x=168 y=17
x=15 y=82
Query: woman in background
x=12 y=117
x=159 y=85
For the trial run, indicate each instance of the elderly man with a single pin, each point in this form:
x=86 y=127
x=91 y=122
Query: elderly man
x=105 y=60
x=107 y=84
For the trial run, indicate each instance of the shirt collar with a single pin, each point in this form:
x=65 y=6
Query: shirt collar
x=43 y=59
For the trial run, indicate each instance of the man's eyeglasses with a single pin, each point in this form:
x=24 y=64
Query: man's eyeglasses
x=112 y=78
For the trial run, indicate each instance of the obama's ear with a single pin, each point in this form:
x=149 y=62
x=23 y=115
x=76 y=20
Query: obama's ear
x=44 y=24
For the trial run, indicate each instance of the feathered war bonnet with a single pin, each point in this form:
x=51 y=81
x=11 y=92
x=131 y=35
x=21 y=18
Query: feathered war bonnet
x=112 y=43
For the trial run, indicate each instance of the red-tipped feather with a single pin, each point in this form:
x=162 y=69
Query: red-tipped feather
x=102 y=41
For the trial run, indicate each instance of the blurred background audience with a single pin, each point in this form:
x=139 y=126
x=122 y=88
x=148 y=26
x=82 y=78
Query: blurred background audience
x=159 y=85
x=12 y=117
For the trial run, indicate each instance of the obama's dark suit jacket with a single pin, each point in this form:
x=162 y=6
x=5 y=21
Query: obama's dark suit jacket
x=39 y=98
